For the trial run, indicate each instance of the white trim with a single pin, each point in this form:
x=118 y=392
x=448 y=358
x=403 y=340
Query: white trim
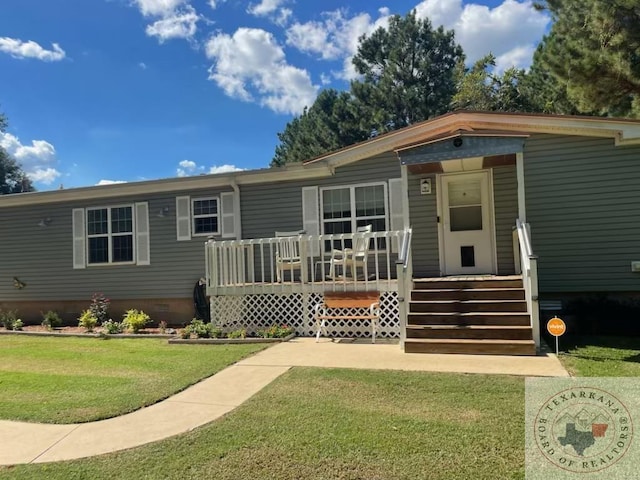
x=352 y=200
x=233 y=214
x=492 y=219
x=142 y=236
x=183 y=218
x=522 y=209
x=78 y=221
x=404 y=175
x=208 y=215
x=110 y=235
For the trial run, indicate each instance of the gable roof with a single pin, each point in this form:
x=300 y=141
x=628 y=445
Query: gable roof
x=622 y=131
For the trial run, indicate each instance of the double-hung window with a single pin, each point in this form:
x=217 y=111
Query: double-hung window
x=110 y=235
x=206 y=215
x=348 y=207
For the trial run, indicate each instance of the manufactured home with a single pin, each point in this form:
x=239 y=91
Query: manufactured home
x=463 y=224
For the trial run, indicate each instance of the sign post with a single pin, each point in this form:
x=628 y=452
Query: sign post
x=557 y=328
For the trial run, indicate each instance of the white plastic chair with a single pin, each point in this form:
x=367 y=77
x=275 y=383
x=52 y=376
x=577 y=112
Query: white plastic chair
x=288 y=255
x=352 y=258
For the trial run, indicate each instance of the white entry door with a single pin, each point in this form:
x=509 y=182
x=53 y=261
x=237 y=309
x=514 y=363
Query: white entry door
x=466 y=224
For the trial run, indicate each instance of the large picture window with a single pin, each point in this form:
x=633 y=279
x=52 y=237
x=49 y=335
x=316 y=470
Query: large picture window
x=346 y=208
x=206 y=216
x=110 y=233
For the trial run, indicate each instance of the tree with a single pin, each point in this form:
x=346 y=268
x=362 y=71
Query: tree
x=330 y=123
x=407 y=73
x=594 y=49
x=479 y=88
x=12 y=178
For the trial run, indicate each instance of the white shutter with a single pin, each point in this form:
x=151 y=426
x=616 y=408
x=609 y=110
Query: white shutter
x=143 y=254
x=228 y=221
x=396 y=213
x=183 y=218
x=311 y=215
x=79 y=242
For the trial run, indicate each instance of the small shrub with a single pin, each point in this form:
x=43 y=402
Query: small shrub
x=8 y=318
x=87 y=320
x=240 y=333
x=276 y=331
x=112 y=327
x=51 y=320
x=17 y=325
x=199 y=328
x=185 y=333
x=99 y=307
x=135 y=320
x=162 y=326
x=216 y=332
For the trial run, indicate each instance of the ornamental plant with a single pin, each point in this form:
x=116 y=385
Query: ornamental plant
x=51 y=320
x=112 y=327
x=87 y=320
x=276 y=331
x=99 y=307
x=135 y=320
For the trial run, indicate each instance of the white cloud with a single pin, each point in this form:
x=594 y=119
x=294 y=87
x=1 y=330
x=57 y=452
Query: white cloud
x=45 y=176
x=157 y=7
x=251 y=66
x=188 y=168
x=336 y=36
x=224 y=169
x=215 y=3
x=272 y=9
x=35 y=159
x=510 y=31
x=30 y=49
x=177 y=24
x=143 y=65
x=110 y=182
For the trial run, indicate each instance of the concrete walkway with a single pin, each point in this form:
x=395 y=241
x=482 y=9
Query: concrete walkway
x=210 y=399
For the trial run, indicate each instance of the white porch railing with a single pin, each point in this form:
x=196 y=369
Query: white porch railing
x=528 y=265
x=404 y=269
x=239 y=267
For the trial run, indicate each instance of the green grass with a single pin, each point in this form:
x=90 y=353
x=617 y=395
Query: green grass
x=337 y=424
x=600 y=356
x=66 y=380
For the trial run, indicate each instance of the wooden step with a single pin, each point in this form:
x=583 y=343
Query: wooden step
x=469 y=294
x=467 y=306
x=497 y=332
x=473 y=318
x=471 y=347
x=443 y=284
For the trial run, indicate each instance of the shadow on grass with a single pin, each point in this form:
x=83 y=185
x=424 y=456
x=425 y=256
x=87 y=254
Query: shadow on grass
x=608 y=348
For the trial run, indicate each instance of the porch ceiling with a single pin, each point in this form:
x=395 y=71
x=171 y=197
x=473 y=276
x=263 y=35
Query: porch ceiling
x=463 y=144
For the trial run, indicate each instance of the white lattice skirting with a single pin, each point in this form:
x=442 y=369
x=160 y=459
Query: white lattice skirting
x=256 y=312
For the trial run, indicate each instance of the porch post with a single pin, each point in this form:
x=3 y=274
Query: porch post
x=522 y=210
x=404 y=176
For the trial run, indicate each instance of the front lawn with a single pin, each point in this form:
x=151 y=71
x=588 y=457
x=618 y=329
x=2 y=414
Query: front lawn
x=589 y=356
x=66 y=380
x=338 y=424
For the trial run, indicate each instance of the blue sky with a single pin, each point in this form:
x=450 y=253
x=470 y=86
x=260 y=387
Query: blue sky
x=98 y=91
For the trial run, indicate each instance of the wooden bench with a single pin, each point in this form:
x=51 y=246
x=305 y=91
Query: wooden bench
x=343 y=300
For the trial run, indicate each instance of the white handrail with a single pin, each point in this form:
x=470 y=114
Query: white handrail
x=404 y=272
x=529 y=269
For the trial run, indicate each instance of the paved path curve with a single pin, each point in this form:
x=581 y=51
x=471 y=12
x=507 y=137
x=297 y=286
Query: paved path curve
x=210 y=399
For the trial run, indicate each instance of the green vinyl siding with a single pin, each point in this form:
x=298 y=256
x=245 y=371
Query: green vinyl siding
x=583 y=205
x=41 y=257
x=505 y=198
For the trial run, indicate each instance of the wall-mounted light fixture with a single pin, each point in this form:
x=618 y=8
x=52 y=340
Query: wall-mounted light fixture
x=164 y=211
x=45 y=222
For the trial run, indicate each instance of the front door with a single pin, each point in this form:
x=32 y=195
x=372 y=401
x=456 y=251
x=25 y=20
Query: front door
x=466 y=229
